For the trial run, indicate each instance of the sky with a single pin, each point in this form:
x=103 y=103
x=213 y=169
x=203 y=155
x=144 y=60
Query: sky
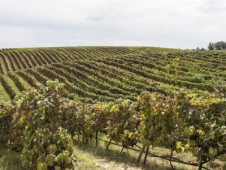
x=160 y=23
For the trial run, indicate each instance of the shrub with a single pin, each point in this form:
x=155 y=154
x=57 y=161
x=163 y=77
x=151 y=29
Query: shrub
x=43 y=117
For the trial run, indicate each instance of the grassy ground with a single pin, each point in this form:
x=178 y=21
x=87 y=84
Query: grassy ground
x=9 y=160
x=90 y=157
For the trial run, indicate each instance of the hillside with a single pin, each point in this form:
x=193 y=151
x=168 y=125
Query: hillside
x=85 y=120
x=107 y=73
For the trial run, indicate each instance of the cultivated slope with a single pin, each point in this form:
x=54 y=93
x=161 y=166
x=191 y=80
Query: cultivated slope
x=106 y=73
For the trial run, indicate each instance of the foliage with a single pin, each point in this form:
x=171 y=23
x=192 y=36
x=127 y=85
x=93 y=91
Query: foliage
x=40 y=127
x=162 y=122
x=6 y=111
x=122 y=123
x=103 y=74
x=179 y=122
x=220 y=45
x=206 y=126
x=42 y=122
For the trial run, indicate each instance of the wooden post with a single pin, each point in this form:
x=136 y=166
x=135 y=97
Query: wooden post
x=108 y=145
x=200 y=160
x=146 y=154
x=140 y=154
x=171 y=155
x=122 y=150
x=96 y=138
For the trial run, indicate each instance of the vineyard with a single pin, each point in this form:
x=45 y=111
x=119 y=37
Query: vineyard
x=108 y=73
x=137 y=97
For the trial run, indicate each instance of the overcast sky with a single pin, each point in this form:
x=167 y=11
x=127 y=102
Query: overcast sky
x=161 y=23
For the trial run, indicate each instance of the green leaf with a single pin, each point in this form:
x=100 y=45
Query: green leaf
x=42 y=166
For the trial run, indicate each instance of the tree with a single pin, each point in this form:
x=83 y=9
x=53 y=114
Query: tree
x=220 y=45
x=211 y=46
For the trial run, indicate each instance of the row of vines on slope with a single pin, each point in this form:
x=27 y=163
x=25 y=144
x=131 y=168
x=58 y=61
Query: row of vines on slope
x=43 y=121
x=111 y=78
x=19 y=59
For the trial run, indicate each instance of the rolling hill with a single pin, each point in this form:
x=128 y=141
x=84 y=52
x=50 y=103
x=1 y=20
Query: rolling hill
x=107 y=73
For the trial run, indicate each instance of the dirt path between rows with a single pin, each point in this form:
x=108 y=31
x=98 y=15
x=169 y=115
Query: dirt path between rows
x=104 y=164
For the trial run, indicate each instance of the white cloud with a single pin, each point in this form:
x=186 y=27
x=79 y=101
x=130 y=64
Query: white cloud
x=174 y=23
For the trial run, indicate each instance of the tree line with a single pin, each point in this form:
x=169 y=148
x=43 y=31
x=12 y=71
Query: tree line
x=220 y=45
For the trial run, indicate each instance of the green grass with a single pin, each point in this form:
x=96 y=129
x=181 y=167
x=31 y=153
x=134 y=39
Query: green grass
x=9 y=160
x=90 y=157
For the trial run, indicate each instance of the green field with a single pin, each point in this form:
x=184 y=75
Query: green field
x=107 y=73
x=112 y=103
